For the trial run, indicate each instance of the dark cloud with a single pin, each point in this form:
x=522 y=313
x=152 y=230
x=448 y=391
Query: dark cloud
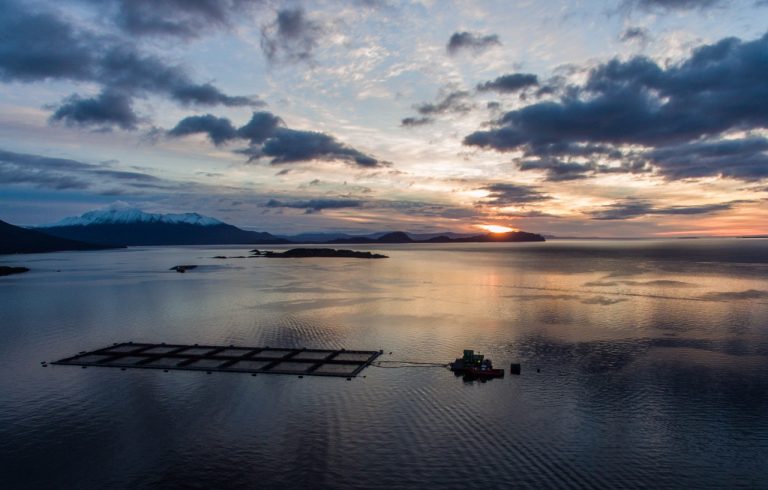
x=132 y=71
x=182 y=18
x=509 y=83
x=452 y=102
x=106 y=110
x=218 y=129
x=528 y=214
x=13 y=174
x=602 y=301
x=38 y=45
x=315 y=205
x=208 y=95
x=288 y=145
x=468 y=40
x=261 y=126
x=592 y=300
x=561 y=149
x=557 y=162
x=503 y=194
x=426 y=209
x=410 y=208
x=67 y=174
x=635 y=34
x=557 y=170
x=719 y=88
x=744 y=159
x=26 y=55
x=635 y=208
x=449 y=102
x=416 y=121
x=666 y=283
x=291 y=37
x=270 y=139
x=735 y=295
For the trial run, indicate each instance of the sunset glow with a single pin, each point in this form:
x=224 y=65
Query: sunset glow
x=496 y=228
x=364 y=117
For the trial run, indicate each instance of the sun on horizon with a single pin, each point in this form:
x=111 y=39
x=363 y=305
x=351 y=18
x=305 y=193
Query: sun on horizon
x=497 y=228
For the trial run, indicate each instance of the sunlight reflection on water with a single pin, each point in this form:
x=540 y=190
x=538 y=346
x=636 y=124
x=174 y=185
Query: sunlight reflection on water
x=652 y=359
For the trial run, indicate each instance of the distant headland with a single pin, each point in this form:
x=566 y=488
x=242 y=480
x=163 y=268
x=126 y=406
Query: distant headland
x=320 y=252
x=7 y=271
x=18 y=240
x=120 y=227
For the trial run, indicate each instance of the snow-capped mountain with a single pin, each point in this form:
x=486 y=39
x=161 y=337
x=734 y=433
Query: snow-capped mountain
x=120 y=224
x=114 y=215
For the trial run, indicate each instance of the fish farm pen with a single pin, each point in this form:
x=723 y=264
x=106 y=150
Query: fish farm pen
x=231 y=359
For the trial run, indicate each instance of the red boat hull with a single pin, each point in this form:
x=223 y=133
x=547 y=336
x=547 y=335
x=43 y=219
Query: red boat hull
x=484 y=373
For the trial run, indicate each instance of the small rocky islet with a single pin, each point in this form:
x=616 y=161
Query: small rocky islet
x=182 y=268
x=295 y=253
x=300 y=253
x=6 y=270
x=319 y=252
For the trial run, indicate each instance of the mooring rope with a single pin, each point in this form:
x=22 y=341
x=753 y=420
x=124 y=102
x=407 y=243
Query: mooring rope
x=408 y=364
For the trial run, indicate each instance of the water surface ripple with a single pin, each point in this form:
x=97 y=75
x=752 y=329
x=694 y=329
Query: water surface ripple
x=645 y=364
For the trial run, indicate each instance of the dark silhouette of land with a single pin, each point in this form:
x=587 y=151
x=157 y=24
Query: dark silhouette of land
x=321 y=252
x=7 y=271
x=159 y=233
x=402 y=237
x=142 y=232
x=182 y=268
x=18 y=240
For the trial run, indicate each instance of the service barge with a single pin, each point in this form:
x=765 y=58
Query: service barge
x=473 y=365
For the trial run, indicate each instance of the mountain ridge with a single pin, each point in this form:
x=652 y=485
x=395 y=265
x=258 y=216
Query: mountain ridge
x=125 y=225
x=128 y=215
x=121 y=225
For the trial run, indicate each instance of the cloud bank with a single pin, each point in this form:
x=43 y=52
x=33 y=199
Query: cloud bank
x=269 y=138
x=70 y=53
x=461 y=41
x=680 y=114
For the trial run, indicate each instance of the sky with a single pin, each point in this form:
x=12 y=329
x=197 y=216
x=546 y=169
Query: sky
x=617 y=118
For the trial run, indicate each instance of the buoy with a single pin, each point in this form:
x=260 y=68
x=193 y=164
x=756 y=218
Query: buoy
x=514 y=368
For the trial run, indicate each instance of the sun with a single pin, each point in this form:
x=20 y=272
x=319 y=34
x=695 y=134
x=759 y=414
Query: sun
x=497 y=228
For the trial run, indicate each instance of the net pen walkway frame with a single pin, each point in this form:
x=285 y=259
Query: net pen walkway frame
x=229 y=358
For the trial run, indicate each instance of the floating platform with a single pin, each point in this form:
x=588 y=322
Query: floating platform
x=230 y=359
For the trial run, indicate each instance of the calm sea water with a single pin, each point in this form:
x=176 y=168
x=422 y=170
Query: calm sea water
x=644 y=364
